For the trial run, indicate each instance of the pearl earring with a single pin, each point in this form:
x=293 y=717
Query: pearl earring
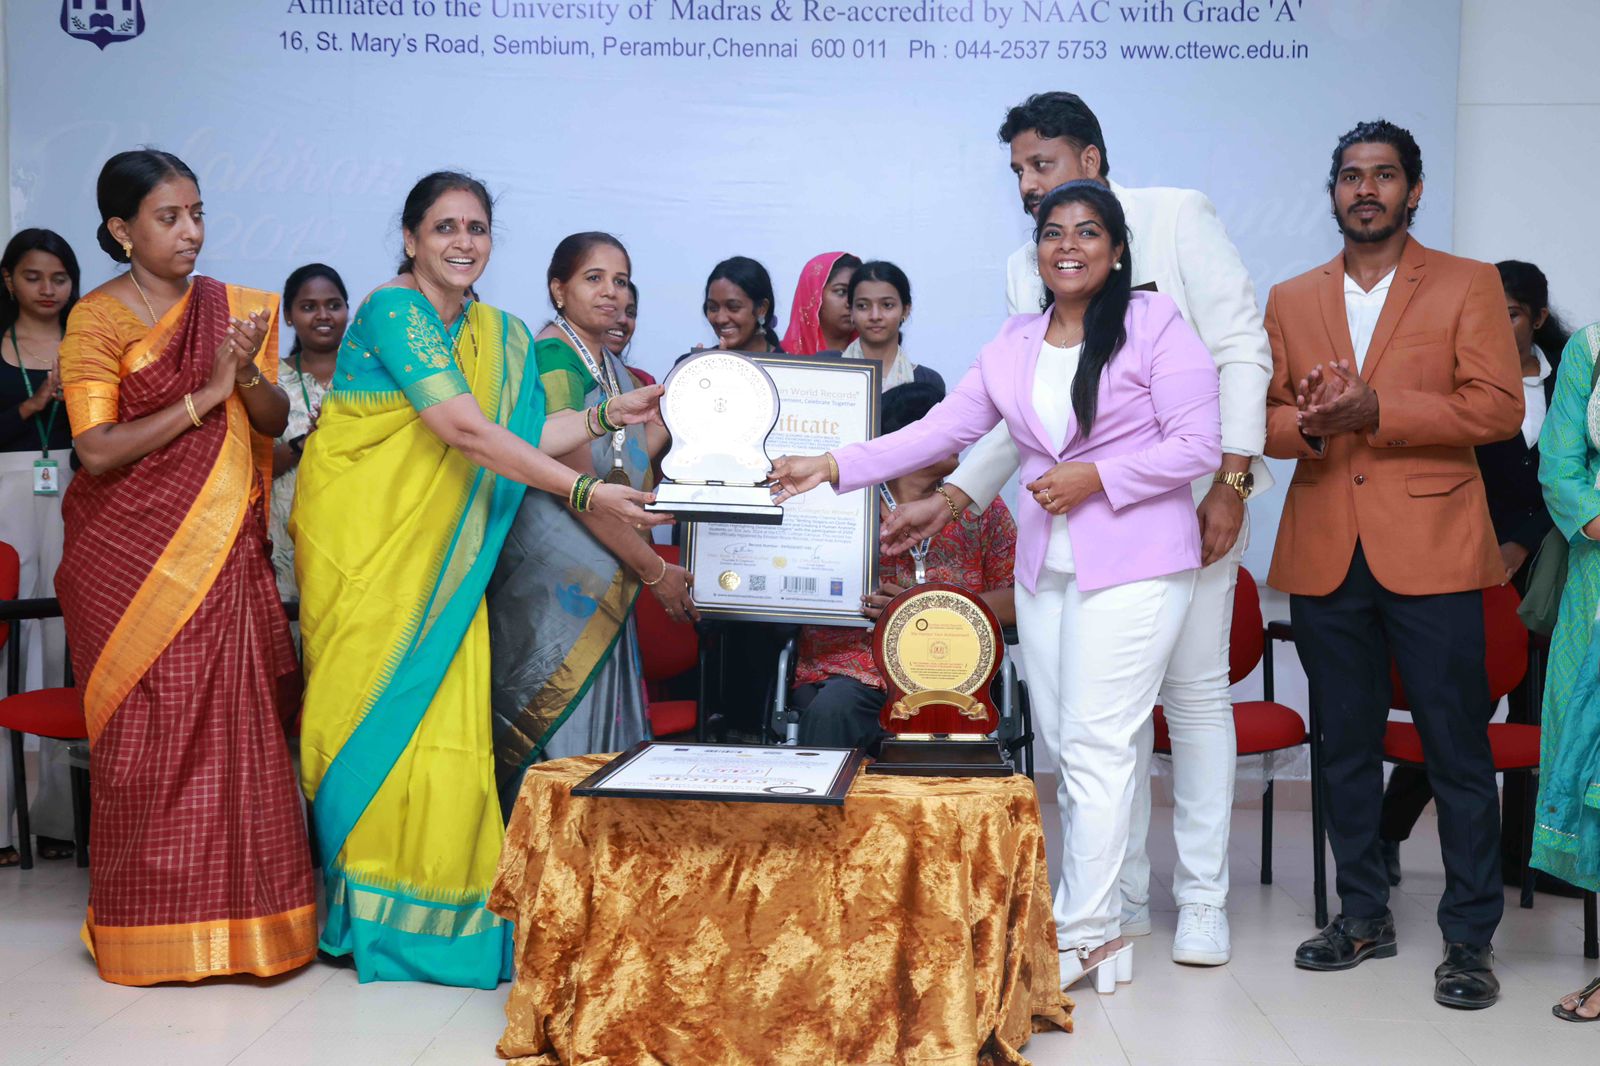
x=1116 y=266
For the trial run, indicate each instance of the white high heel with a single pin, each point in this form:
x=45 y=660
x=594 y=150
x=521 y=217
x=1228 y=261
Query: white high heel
x=1111 y=969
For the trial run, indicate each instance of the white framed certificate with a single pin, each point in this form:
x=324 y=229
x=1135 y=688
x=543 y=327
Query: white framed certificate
x=816 y=565
x=661 y=769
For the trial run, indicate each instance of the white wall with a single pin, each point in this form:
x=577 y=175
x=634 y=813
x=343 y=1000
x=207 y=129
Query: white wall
x=1528 y=143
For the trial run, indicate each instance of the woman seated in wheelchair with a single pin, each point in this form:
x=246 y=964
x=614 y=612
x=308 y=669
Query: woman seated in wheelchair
x=838 y=691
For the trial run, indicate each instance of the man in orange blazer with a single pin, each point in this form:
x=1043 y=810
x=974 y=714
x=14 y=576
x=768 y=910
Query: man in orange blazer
x=1389 y=364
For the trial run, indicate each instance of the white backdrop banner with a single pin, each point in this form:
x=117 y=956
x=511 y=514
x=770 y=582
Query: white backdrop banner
x=700 y=129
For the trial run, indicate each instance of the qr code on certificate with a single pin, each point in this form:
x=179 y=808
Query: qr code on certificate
x=758 y=582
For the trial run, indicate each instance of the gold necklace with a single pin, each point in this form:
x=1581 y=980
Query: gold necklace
x=140 y=290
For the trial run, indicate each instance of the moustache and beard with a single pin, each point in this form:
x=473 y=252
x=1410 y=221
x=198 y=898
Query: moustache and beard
x=1367 y=234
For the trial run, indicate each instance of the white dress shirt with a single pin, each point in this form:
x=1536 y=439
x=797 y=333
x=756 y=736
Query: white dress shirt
x=1052 y=401
x=1361 y=311
x=1533 y=405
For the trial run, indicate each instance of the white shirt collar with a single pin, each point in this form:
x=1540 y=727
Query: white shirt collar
x=1351 y=288
x=1544 y=366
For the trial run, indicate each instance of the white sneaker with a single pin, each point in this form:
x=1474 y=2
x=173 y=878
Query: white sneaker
x=1136 y=920
x=1202 y=938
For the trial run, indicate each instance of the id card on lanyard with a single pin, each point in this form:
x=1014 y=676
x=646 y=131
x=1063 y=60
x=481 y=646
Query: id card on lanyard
x=46 y=471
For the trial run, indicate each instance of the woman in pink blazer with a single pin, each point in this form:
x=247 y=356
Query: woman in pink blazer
x=1112 y=401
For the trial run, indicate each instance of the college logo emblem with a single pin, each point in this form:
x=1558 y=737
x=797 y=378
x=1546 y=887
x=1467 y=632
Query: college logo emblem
x=102 y=22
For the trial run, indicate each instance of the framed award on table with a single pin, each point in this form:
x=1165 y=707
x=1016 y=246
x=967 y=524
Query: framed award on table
x=815 y=566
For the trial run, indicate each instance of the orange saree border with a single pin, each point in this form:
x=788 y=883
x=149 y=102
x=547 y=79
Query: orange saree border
x=189 y=564
x=192 y=951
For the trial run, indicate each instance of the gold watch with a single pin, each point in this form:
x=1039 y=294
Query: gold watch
x=1243 y=482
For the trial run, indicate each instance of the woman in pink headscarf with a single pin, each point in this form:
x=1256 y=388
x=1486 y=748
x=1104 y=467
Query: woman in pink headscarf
x=820 y=320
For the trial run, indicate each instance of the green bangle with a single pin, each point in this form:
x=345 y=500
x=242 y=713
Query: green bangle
x=582 y=493
x=605 y=422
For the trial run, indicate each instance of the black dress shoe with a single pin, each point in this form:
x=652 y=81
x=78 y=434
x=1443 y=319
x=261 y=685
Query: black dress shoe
x=1465 y=979
x=1391 y=859
x=1348 y=942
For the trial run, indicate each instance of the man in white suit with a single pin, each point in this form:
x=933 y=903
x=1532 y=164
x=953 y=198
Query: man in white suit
x=1180 y=248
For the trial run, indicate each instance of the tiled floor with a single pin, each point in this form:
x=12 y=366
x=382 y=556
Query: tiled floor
x=1258 y=1009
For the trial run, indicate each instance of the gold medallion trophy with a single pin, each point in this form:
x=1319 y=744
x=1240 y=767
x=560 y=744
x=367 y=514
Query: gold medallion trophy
x=719 y=407
x=938 y=649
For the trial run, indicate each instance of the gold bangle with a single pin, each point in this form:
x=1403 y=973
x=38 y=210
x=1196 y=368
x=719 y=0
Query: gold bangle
x=833 y=469
x=659 y=579
x=188 y=405
x=955 y=512
x=252 y=383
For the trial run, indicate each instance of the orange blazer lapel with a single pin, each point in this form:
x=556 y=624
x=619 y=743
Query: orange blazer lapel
x=1330 y=295
x=1407 y=277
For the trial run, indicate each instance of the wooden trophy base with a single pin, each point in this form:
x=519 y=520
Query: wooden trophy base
x=941 y=755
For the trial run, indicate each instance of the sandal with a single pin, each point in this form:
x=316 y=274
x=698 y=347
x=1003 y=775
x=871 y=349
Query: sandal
x=1582 y=997
x=9 y=857
x=55 y=848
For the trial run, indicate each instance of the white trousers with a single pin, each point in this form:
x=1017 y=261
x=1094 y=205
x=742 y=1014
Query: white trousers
x=1198 y=705
x=1094 y=663
x=32 y=525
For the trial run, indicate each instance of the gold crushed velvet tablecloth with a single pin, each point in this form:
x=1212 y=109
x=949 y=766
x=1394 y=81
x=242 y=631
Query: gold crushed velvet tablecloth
x=912 y=925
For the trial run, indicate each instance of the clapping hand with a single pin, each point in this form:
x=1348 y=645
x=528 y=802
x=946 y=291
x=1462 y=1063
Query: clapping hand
x=1333 y=398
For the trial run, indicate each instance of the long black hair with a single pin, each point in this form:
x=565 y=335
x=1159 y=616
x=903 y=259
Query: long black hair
x=753 y=279
x=125 y=181
x=884 y=271
x=426 y=192
x=568 y=258
x=296 y=281
x=36 y=240
x=1105 y=326
x=1526 y=284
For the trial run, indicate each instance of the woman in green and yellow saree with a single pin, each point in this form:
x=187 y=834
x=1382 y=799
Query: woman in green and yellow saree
x=426 y=442
x=567 y=675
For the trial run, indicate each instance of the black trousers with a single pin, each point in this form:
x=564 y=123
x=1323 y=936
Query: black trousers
x=1409 y=793
x=840 y=712
x=1345 y=640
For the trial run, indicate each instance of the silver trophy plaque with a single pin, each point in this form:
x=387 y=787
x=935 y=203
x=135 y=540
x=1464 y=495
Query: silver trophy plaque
x=719 y=407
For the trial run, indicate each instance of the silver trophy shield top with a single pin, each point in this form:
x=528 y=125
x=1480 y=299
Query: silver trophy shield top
x=719 y=407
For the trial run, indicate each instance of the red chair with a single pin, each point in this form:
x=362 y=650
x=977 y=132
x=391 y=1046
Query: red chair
x=1260 y=726
x=55 y=713
x=667 y=650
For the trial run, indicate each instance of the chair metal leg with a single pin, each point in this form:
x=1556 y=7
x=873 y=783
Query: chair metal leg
x=19 y=794
x=1266 y=834
x=1319 y=844
x=1531 y=792
x=1591 y=942
x=80 y=814
x=784 y=716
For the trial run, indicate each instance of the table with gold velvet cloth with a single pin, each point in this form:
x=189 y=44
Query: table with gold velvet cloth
x=912 y=925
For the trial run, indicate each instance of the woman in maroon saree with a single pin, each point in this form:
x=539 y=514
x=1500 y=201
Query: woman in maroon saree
x=199 y=865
